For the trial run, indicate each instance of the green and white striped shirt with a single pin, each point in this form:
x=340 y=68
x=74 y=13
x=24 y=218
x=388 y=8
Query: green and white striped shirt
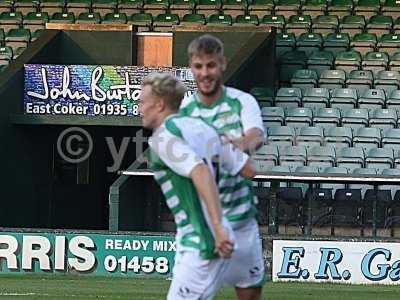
x=232 y=115
x=177 y=147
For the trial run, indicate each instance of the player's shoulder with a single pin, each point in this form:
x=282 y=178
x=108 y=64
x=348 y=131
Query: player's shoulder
x=238 y=94
x=187 y=102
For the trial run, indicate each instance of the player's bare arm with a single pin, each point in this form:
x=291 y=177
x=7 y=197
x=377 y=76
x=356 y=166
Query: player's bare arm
x=248 y=170
x=251 y=141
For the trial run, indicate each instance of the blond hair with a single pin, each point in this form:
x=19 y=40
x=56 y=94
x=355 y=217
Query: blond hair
x=206 y=44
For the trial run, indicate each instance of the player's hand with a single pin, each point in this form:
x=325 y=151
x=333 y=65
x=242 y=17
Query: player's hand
x=223 y=245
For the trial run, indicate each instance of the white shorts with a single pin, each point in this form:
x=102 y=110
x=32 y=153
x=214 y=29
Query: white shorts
x=195 y=278
x=246 y=267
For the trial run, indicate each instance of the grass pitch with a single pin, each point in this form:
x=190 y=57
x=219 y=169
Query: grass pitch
x=60 y=287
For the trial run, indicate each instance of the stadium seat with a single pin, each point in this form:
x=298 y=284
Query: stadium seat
x=367 y=138
x=383 y=118
x=6 y=55
x=78 y=6
x=321 y=156
x=375 y=62
x=266 y=157
x=372 y=98
x=338 y=137
x=350 y=158
x=218 y=19
x=274 y=21
x=264 y=95
x=36 y=34
x=389 y=43
x=66 y=18
x=35 y=20
x=326 y=118
x=320 y=61
x=193 y=19
x=88 y=18
x=379 y=159
x=388 y=81
x=235 y=8
x=208 y=7
x=355 y=118
x=348 y=61
x=18 y=52
x=367 y=8
x=164 y=22
x=325 y=24
x=292 y=156
x=309 y=42
x=363 y=42
x=284 y=42
x=182 y=7
x=360 y=80
x=287 y=8
x=393 y=101
x=280 y=136
x=246 y=20
x=396 y=158
x=391 y=7
x=394 y=63
x=261 y=8
x=336 y=42
x=104 y=6
x=332 y=79
x=391 y=138
x=316 y=98
x=16 y=38
x=6 y=6
x=273 y=116
x=297 y=117
x=289 y=63
x=344 y=98
x=340 y=7
x=379 y=24
x=156 y=7
x=26 y=6
x=130 y=7
x=113 y=18
x=143 y=21
x=352 y=24
x=10 y=20
x=309 y=137
x=288 y=97
x=392 y=213
x=307 y=170
x=51 y=6
x=298 y=24
x=314 y=8
x=304 y=79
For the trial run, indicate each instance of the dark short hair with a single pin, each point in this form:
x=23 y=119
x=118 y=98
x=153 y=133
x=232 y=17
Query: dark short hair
x=206 y=44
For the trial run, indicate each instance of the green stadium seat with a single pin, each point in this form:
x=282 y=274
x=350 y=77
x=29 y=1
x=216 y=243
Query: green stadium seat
x=130 y=7
x=292 y=156
x=297 y=117
x=310 y=137
x=287 y=8
x=355 y=118
x=367 y=138
x=6 y=5
x=234 y=7
x=363 y=42
x=326 y=118
x=350 y=158
x=280 y=136
x=343 y=98
x=325 y=24
x=391 y=139
x=332 y=79
x=336 y=42
x=26 y=6
x=2 y=37
x=274 y=21
x=340 y=7
x=305 y=187
x=372 y=99
x=320 y=61
x=360 y=80
x=193 y=19
x=394 y=63
x=208 y=7
x=309 y=42
x=18 y=52
x=273 y=116
x=264 y=95
x=88 y=18
x=143 y=21
x=220 y=20
x=246 y=20
x=78 y=6
x=284 y=42
x=156 y=7
x=288 y=97
x=36 y=34
x=10 y=20
x=389 y=43
x=261 y=8
x=393 y=100
x=16 y=38
x=298 y=24
x=6 y=55
x=304 y=79
x=387 y=81
x=352 y=24
x=338 y=137
x=375 y=62
x=52 y=6
x=35 y=20
x=182 y=7
x=104 y=6
x=265 y=158
x=396 y=26
x=321 y=156
x=328 y=190
x=314 y=8
x=383 y=118
x=164 y=22
x=289 y=63
x=115 y=18
x=391 y=7
x=367 y=8
x=379 y=24
x=66 y=18
x=348 y=61
x=316 y=97
x=379 y=159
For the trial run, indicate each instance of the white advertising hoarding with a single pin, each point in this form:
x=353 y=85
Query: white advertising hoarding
x=331 y=261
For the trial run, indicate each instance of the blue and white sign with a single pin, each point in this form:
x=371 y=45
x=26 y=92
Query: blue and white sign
x=331 y=261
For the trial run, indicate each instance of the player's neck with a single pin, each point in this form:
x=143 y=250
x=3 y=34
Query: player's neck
x=163 y=116
x=209 y=100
